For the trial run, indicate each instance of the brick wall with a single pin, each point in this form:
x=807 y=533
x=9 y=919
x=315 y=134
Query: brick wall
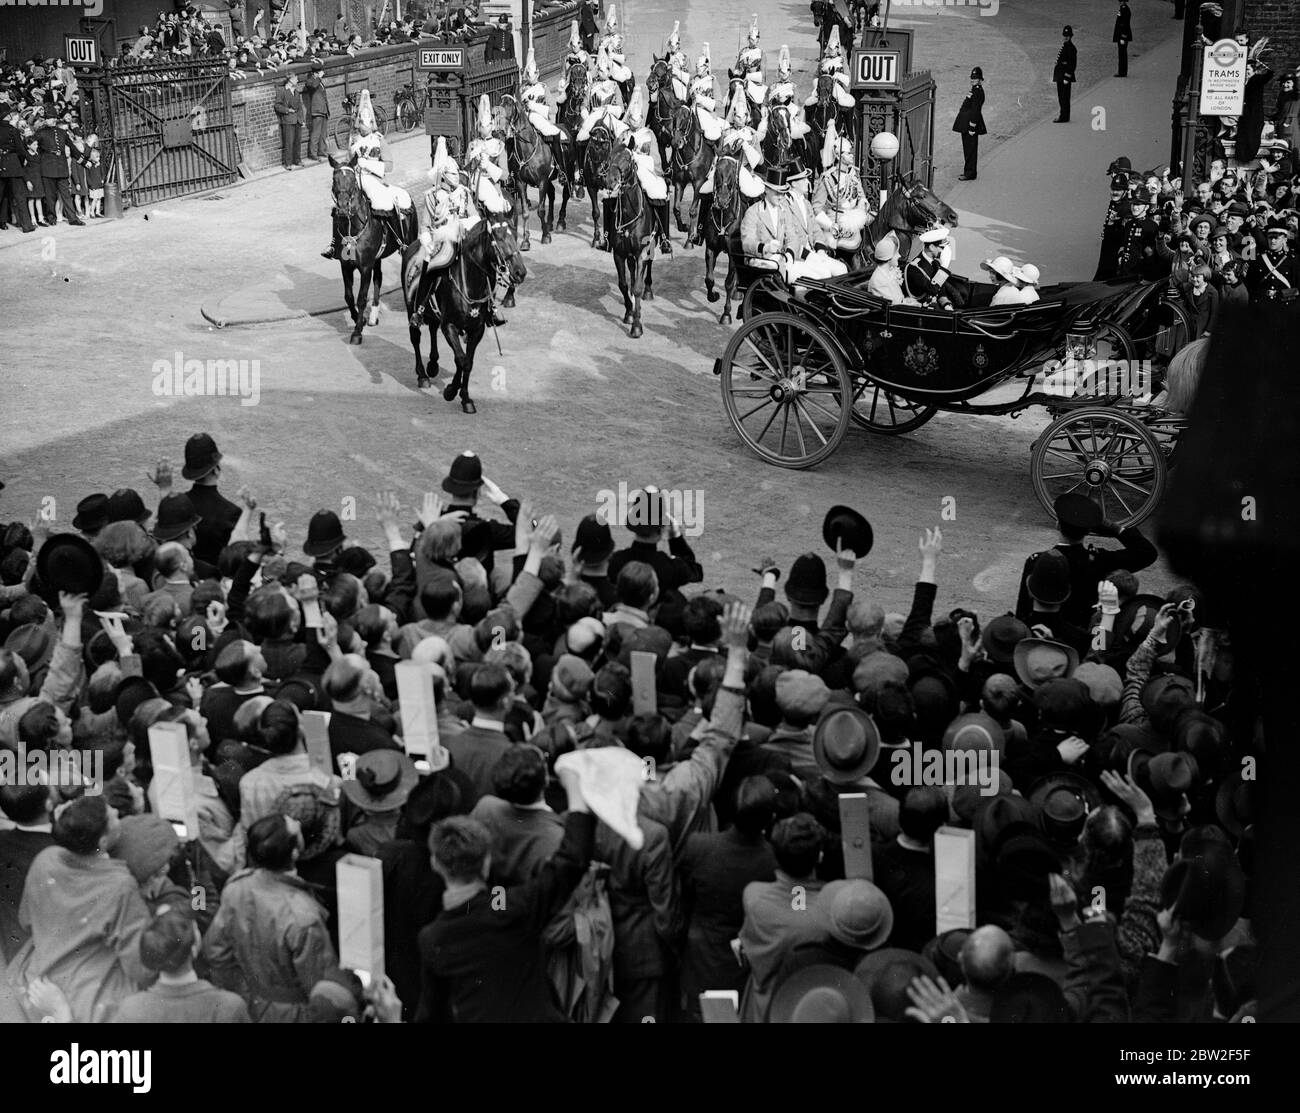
x=1280 y=21
x=382 y=71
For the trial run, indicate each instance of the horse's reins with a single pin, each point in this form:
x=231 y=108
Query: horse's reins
x=349 y=241
x=624 y=182
x=731 y=208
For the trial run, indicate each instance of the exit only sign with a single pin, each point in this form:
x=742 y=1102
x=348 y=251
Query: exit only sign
x=442 y=58
x=877 y=69
x=80 y=50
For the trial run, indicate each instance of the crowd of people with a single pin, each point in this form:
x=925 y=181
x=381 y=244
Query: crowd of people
x=633 y=809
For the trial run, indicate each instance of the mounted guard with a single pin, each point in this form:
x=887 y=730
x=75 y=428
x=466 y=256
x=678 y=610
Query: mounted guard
x=832 y=66
x=749 y=67
x=641 y=141
x=575 y=57
x=741 y=142
x=611 y=48
x=704 y=97
x=532 y=95
x=782 y=95
x=604 y=104
x=839 y=202
x=487 y=165
x=678 y=63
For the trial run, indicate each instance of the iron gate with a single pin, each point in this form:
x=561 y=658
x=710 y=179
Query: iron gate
x=172 y=130
x=909 y=114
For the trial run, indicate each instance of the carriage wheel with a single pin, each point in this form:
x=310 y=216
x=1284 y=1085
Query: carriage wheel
x=1106 y=454
x=758 y=296
x=884 y=412
x=785 y=389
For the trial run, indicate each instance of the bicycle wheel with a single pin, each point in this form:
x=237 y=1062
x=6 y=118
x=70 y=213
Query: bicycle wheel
x=343 y=132
x=381 y=120
x=407 y=116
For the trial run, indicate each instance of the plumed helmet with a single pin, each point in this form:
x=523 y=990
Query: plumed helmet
x=783 y=65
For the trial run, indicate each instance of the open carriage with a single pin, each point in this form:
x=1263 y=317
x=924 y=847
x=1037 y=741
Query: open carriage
x=811 y=361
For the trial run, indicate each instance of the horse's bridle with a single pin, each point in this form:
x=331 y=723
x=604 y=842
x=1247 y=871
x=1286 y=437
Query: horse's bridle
x=500 y=273
x=516 y=121
x=715 y=209
x=681 y=158
x=626 y=178
x=349 y=239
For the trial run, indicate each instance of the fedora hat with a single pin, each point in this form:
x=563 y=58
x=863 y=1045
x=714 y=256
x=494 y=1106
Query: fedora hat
x=1201 y=735
x=126 y=505
x=975 y=730
x=858 y=913
x=1115 y=746
x=1001 y=636
x=821 y=994
x=846 y=744
x=465 y=476
x=1207 y=891
x=967 y=799
x=92 y=514
x=1166 y=778
x=1049 y=578
x=1002 y=817
x=850 y=529
x=887 y=973
x=176 y=515
x=68 y=562
x=1064 y=800
x=1038 y=660
x=324 y=534
x=383 y=781
x=201 y=456
x=806 y=583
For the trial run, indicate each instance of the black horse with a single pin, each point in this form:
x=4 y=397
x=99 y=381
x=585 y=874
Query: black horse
x=779 y=146
x=663 y=106
x=595 y=157
x=693 y=156
x=570 y=117
x=458 y=299
x=720 y=229
x=631 y=235
x=367 y=239
x=531 y=163
x=818 y=117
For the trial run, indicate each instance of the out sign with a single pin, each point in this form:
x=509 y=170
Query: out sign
x=876 y=69
x=81 y=50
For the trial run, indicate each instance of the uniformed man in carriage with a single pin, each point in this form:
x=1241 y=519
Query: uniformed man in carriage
x=749 y=68
x=839 y=201
x=678 y=64
x=532 y=96
x=487 y=165
x=782 y=95
x=926 y=278
x=832 y=66
x=641 y=141
x=388 y=202
x=704 y=97
x=604 y=104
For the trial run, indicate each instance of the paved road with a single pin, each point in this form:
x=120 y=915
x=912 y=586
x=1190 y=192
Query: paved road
x=571 y=408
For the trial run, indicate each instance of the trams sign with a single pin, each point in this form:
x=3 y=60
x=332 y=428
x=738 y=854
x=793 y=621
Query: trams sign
x=1223 y=79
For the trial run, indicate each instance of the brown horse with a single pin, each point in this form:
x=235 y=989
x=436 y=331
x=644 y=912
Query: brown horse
x=818 y=117
x=631 y=235
x=367 y=240
x=532 y=164
x=458 y=299
x=663 y=106
x=692 y=160
x=909 y=210
x=721 y=230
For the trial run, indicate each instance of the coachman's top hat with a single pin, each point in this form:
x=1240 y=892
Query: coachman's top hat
x=850 y=529
x=92 y=514
x=465 y=476
x=201 y=456
x=324 y=534
x=777 y=177
x=176 y=515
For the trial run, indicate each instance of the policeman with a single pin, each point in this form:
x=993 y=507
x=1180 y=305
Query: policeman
x=1274 y=275
x=1077 y=516
x=1143 y=253
x=53 y=149
x=13 y=175
x=970 y=125
x=1112 y=230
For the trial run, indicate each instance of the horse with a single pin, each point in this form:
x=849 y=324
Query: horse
x=824 y=18
x=909 y=210
x=779 y=147
x=458 y=300
x=594 y=159
x=571 y=118
x=365 y=243
x=692 y=160
x=755 y=110
x=819 y=116
x=631 y=236
x=663 y=105
x=721 y=230
x=532 y=164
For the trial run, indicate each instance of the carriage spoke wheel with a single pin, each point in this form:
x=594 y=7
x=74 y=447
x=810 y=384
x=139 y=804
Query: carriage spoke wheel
x=786 y=389
x=884 y=412
x=1108 y=455
x=758 y=296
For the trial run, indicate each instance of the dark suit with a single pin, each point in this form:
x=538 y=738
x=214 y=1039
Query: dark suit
x=288 y=107
x=53 y=149
x=1123 y=36
x=675 y=568
x=906 y=877
x=13 y=178
x=1063 y=73
x=924 y=279
x=1088 y=567
x=318 y=114
x=475 y=752
x=351 y=735
x=481 y=537
x=1112 y=239
x=970 y=123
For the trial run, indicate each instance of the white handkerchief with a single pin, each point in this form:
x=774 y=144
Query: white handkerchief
x=611 y=779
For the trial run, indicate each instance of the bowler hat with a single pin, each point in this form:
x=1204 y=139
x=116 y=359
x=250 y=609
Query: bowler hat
x=806 y=583
x=126 y=505
x=324 y=534
x=846 y=744
x=68 y=562
x=1078 y=511
x=850 y=529
x=857 y=913
x=1064 y=703
x=1039 y=660
x=201 y=456
x=383 y=781
x=176 y=515
x=1206 y=891
x=92 y=514
x=887 y=974
x=594 y=538
x=465 y=476
x=1049 y=578
x=1001 y=636
x=821 y=994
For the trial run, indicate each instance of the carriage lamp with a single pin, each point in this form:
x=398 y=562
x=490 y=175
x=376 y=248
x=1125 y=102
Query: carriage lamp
x=884 y=148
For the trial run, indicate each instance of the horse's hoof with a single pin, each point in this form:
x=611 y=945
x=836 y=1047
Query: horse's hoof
x=422 y=382
x=649 y=295
x=560 y=226
x=509 y=303
x=637 y=330
x=546 y=238
x=467 y=405
x=449 y=392
x=627 y=317
x=355 y=338
x=725 y=319
x=713 y=295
